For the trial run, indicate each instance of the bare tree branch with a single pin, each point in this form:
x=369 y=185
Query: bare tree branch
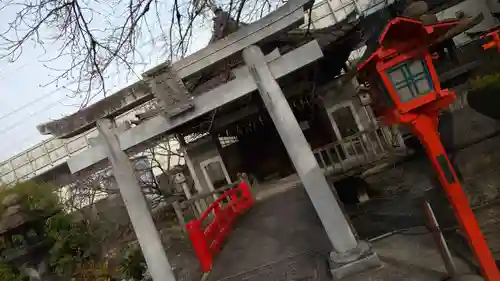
x=95 y=41
x=84 y=191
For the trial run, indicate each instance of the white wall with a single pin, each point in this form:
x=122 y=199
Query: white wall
x=494 y=6
x=163 y=159
x=345 y=94
x=471 y=8
x=198 y=152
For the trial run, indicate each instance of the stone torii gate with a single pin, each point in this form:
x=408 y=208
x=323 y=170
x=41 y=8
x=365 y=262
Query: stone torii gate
x=348 y=256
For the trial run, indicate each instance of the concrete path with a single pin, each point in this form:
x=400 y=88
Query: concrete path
x=281 y=238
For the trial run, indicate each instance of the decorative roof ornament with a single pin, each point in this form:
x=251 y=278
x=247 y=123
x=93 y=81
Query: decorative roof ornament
x=416 y=9
x=201 y=5
x=420 y=10
x=223 y=24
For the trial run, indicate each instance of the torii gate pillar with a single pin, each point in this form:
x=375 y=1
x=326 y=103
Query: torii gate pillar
x=349 y=256
x=137 y=208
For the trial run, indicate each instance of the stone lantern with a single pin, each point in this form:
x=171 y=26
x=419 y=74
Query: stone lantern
x=22 y=233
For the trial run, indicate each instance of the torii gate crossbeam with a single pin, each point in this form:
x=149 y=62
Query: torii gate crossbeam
x=140 y=135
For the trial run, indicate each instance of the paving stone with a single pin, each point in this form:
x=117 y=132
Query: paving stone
x=282 y=239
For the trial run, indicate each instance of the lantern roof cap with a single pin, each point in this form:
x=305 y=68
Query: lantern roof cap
x=404 y=29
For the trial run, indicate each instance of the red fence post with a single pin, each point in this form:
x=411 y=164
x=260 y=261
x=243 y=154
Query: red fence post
x=222 y=221
x=207 y=243
x=246 y=195
x=200 y=244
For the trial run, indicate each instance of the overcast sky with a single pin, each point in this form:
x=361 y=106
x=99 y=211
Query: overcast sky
x=26 y=100
x=21 y=83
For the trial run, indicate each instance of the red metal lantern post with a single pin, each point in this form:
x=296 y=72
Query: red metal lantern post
x=495 y=40
x=406 y=89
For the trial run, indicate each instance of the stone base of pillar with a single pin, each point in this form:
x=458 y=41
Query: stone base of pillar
x=358 y=260
x=466 y=278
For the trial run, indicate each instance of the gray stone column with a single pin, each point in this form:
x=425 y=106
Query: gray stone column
x=348 y=256
x=137 y=208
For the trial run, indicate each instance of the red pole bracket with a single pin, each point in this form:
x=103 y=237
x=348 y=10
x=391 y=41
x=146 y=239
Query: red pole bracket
x=495 y=40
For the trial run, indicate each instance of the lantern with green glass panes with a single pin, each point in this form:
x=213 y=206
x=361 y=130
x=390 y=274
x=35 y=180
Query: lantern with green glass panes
x=405 y=89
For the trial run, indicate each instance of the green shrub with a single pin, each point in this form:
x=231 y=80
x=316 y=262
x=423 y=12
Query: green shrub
x=73 y=244
x=484 y=96
x=481 y=82
x=34 y=196
x=132 y=263
x=73 y=241
x=8 y=272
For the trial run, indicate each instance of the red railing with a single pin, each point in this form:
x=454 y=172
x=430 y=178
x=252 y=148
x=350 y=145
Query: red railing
x=208 y=233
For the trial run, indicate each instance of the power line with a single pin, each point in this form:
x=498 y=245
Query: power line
x=3 y=75
x=32 y=135
x=5 y=130
x=30 y=103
